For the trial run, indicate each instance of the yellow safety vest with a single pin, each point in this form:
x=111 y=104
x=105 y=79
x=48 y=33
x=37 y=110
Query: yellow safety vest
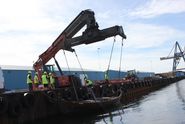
x=52 y=79
x=36 y=79
x=44 y=79
x=29 y=79
x=89 y=82
x=106 y=76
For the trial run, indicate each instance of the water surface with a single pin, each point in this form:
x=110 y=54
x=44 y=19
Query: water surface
x=164 y=106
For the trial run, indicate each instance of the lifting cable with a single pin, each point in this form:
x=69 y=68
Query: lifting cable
x=111 y=54
x=120 y=59
x=79 y=63
x=67 y=62
x=74 y=88
x=89 y=89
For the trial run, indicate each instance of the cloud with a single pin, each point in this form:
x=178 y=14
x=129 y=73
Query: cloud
x=26 y=30
x=29 y=28
x=148 y=60
x=146 y=43
x=141 y=35
x=21 y=49
x=140 y=38
x=155 y=8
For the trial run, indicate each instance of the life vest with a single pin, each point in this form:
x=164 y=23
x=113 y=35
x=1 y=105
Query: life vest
x=36 y=79
x=29 y=79
x=52 y=79
x=106 y=76
x=89 y=82
x=44 y=79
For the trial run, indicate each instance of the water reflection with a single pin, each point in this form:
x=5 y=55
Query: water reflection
x=181 y=91
x=165 y=106
x=108 y=118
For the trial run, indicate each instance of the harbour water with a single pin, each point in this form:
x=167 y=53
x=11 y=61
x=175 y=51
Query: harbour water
x=164 y=106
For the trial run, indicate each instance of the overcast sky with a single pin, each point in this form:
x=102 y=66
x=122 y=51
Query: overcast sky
x=28 y=28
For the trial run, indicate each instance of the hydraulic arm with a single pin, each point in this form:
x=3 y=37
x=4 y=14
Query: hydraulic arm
x=66 y=39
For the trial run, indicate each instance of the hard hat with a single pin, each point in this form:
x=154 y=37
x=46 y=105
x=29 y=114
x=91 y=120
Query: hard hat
x=45 y=72
x=50 y=73
x=29 y=72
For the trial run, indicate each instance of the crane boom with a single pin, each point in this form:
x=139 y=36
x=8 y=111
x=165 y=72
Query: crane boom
x=176 y=56
x=66 y=39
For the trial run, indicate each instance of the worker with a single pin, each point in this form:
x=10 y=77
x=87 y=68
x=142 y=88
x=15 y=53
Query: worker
x=29 y=81
x=106 y=76
x=45 y=80
x=52 y=80
x=88 y=82
x=36 y=81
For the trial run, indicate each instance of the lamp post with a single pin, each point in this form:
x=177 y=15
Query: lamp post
x=98 y=50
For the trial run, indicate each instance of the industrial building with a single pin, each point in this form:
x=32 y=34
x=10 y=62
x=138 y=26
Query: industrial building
x=15 y=76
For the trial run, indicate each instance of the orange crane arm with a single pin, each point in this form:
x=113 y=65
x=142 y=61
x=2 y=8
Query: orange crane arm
x=66 y=39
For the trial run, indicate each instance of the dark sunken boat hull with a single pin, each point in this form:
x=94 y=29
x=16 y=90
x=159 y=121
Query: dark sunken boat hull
x=97 y=106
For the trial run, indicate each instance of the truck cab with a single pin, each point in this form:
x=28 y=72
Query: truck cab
x=132 y=75
x=61 y=79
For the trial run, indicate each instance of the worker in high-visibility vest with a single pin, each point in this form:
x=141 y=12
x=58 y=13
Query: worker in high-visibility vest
x=52 y=80
x=29 y=81
x=106 y=76
x=88 y=82
x=36 y=81
x=45 y=80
